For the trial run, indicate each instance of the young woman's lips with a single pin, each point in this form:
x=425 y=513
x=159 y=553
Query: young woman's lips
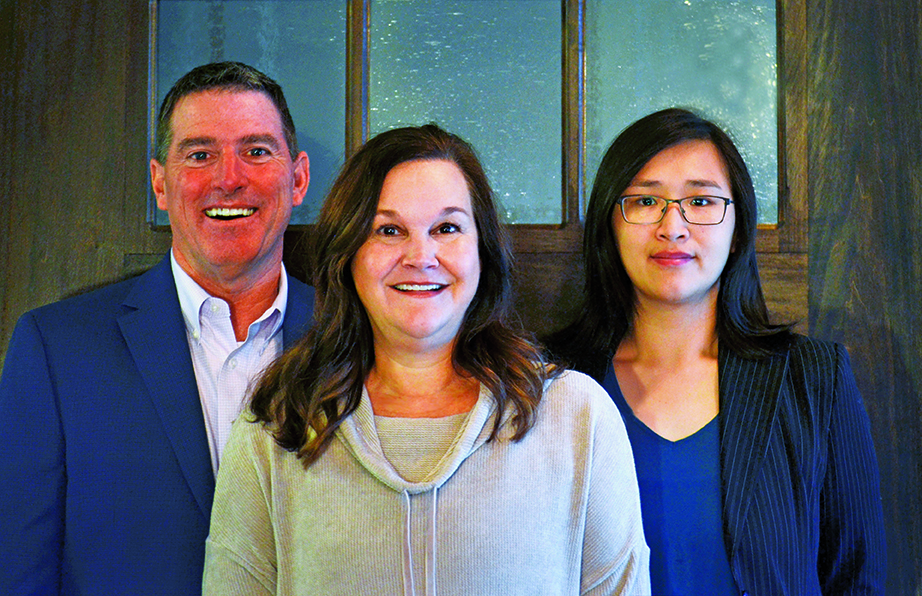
x=672 y=259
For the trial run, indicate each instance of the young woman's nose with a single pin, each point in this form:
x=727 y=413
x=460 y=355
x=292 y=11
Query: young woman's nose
x=673 y=225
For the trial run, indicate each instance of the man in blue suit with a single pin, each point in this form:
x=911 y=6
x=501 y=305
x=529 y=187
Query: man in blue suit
x=115 y=405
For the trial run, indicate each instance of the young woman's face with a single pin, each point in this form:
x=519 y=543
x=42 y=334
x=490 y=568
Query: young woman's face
x=673 y=261
x=418 y=271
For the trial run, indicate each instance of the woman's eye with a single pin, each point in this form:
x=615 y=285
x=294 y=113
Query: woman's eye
x=388 y=231
x=448 y=228
x=644 y=202
x=700 y=201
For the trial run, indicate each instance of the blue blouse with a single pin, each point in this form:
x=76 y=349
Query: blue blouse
x=680 y=501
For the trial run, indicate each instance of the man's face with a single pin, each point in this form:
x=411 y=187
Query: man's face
x=229 y=185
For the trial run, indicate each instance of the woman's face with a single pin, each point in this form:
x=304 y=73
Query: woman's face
x=673 y=261
x=418 y=270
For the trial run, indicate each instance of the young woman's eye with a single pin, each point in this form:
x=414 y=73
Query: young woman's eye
x=639 y=202
x=700 y=201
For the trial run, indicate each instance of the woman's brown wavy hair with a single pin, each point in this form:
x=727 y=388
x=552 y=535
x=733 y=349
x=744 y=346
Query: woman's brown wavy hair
x=304 y=397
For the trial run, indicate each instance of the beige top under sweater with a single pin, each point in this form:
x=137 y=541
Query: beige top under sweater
x=414 y=446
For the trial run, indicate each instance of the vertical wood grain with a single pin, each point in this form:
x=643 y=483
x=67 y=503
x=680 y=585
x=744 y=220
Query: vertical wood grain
x=7 y=109
x=75 y=167
x=865 y=153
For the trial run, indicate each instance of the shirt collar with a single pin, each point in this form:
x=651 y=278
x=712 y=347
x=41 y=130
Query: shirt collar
x=192 y=296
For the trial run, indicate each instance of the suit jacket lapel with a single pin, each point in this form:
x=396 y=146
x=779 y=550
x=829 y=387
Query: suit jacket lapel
x=749 y=391
x=154 y=331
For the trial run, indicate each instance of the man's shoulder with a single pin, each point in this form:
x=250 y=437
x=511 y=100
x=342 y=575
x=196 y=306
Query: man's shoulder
x=113 y=293
x=91 y=305
x=298 y=291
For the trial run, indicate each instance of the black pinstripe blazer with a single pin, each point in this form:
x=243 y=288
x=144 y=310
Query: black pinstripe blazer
x=802 y=513
x=801 y=489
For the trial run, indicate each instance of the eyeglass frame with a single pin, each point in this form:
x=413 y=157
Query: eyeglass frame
x=727 y=201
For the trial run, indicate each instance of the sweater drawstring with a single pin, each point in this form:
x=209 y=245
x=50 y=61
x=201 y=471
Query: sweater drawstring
x=409 y=589
x=430 y=553
x=409 y=585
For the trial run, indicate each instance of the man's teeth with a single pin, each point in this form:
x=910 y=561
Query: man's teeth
x=418 y=287
x=229 y=212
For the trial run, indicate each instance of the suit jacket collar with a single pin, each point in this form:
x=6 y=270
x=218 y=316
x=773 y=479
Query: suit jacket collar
x=298 y=313
x=154 y=331
x=749 y=392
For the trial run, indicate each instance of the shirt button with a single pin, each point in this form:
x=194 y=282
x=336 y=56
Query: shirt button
x=233 y=363
x=214 y=307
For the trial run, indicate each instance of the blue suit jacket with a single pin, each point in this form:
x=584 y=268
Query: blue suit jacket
x=105 y=477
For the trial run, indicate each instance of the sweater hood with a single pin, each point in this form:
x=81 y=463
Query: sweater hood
x=359 y=435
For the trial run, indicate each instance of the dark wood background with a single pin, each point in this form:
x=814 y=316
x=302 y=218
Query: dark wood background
x=73 y=174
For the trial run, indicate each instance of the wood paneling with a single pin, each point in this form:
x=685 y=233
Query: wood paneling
x=7 y=111
x=75 y=164
x=74 y=178
x=865 y=155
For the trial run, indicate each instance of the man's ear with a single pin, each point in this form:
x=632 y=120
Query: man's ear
x=157 y=182
x=302 y=178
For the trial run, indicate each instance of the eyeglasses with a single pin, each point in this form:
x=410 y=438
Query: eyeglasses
x=700 y=209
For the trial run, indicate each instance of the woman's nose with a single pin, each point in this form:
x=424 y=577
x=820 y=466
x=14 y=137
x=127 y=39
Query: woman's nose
x=673 y=225
x=421 y=252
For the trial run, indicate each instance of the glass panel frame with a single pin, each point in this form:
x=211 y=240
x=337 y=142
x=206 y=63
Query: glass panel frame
x=325 y=145
x=789 y=235
x=716 y=57
x=452 y=63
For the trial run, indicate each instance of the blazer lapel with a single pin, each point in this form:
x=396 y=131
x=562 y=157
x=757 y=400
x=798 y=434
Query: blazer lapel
x=748 y=392
x=154 y=331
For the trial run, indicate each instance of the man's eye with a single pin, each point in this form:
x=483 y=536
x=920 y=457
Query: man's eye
x=258 y=152
x=199 y=156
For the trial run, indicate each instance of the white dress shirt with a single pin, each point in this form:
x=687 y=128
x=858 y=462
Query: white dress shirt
x=226 y=369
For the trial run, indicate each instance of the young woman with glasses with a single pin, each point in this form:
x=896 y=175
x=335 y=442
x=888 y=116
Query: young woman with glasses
x=752 y=446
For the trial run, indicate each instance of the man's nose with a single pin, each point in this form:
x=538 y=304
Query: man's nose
x=230 y=174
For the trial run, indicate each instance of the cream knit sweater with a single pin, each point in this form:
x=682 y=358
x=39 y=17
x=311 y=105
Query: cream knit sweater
x=556 y=513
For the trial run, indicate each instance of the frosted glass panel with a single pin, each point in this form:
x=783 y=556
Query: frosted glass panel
x=488 y=71
x=716 y=57
x=299 y=43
